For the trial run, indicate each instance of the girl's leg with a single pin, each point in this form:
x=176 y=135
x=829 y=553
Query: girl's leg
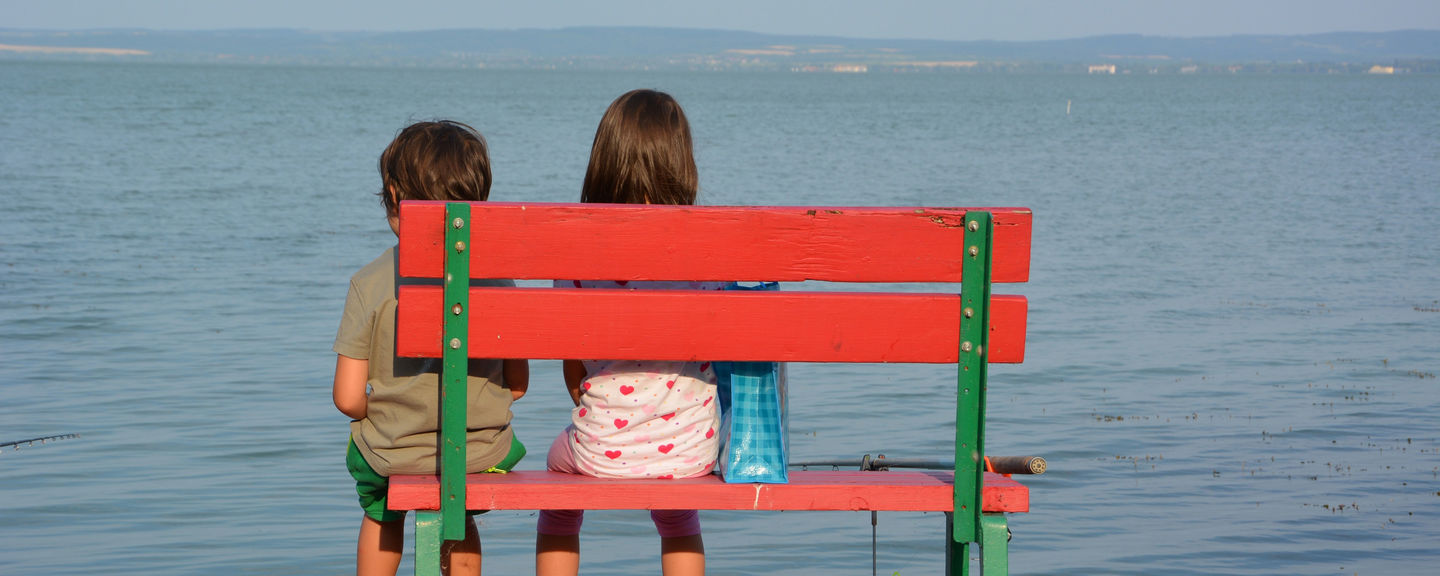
x=682 y=551
x=557 y=542
x=682 y=556
x=379 y=548
x=557 y=555
x=463 y=558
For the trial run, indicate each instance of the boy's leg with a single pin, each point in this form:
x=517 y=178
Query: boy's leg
x=382 y=532
x=463 y=558
x=379 y=548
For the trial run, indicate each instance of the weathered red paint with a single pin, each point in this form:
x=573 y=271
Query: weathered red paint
x=658 y=325
x=894 y=490
x=722 y=243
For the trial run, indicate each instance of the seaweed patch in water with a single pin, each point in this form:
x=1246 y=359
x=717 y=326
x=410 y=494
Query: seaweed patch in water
x=1136 y=460
x=1354 y=507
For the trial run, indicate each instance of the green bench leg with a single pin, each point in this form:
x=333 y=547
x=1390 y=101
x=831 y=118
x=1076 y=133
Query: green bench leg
x=427 y=543
x=957 y=554
x=994 y=548
x=994 y=545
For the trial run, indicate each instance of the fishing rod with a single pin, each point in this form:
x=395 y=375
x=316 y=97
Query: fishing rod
x=996 y=464
x=1006 y=465
x=18 y=444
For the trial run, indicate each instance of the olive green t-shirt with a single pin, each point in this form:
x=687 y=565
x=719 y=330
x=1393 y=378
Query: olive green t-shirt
x=398 y=433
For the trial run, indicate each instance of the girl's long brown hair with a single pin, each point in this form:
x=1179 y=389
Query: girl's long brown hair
x=642 y=153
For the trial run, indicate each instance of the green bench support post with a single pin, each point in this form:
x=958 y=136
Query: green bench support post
x=455 y=369
x=994 y=545
x=432 y=530
x=965 y=521
x=957 y=554
x=427 y=543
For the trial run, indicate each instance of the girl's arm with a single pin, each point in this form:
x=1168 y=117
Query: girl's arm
x=574 y=375
x=517 y=377
x=349 y=392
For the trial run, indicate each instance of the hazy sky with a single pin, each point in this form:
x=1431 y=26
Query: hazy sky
x=936 y=19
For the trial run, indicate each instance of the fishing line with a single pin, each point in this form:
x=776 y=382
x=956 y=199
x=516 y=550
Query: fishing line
x=18 y=444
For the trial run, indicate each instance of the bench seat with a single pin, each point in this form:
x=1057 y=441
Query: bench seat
x=893 y=490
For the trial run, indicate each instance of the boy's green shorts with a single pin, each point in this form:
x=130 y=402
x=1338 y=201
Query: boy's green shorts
x=374 y=488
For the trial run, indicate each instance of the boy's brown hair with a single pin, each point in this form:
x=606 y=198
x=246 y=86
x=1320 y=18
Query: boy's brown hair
x=440 y=160
x=642 y=153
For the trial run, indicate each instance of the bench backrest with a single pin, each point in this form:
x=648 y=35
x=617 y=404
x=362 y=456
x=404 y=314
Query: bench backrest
x=626 y=242
x=970 y=246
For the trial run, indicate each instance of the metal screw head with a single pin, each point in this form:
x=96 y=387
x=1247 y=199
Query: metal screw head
x=979 y=350
x=459 y=246
x=457 y=309
x=974 y=225
x=454 y=343
x=974 y=251
x=965 y=346
x=969 y=312
x=458 y=223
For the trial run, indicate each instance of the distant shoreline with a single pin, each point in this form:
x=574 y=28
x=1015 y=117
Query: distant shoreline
x=654 y=49
x=23 y=49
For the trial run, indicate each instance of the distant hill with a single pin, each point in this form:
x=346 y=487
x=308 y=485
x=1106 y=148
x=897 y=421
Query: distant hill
x=621 y=48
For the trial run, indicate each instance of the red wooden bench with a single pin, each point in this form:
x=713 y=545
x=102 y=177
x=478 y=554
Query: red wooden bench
x=972 y=247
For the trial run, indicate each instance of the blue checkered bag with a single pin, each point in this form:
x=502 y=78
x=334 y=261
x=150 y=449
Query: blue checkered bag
x=753 y=428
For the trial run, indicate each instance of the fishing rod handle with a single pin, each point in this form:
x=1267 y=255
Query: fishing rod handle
x=1016 y=464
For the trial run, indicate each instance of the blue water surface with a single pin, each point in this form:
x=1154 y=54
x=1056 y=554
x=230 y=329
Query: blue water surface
x=1233 y=338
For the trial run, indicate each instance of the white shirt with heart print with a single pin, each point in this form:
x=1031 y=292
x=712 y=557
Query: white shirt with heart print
x=642 y=418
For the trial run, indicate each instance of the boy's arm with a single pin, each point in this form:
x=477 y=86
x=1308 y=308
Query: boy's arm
x=349 y=393
x=517 y=377
x=574 y=375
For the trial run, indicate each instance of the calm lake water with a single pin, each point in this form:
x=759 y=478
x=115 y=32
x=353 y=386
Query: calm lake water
x=1234 y=322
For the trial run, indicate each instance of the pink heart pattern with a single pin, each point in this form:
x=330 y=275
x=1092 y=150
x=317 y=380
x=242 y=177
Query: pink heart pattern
x=644 y=419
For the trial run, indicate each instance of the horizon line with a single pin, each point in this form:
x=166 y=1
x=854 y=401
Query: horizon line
x=4 y=29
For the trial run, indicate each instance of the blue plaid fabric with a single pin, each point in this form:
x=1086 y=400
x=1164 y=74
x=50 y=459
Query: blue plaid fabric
x=753 y=441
